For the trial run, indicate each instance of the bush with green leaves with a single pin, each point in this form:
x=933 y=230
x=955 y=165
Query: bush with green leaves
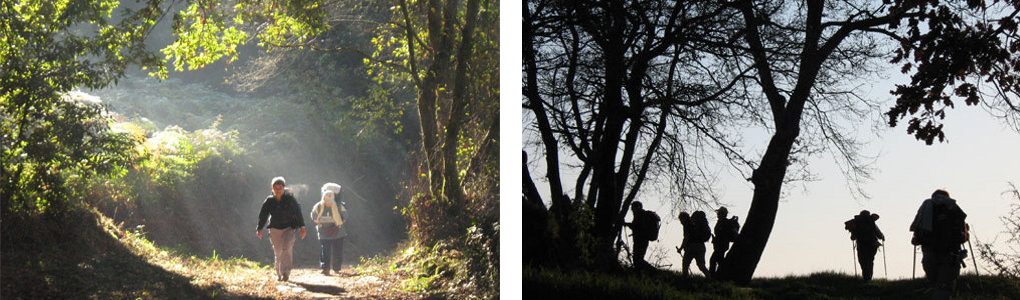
x=52 y=145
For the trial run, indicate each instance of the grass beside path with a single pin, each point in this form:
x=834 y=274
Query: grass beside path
x=80 y=256
x=561 y=284
x=83 y=255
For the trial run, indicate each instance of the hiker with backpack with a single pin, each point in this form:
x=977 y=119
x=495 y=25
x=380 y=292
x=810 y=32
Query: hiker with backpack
x=645 y=228
x=329 y=215
x=696 y=233
x=940 y=229
x=726 y=231
x=864 y=230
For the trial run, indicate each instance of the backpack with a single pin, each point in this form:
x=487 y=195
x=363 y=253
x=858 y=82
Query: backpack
x=649 y=225
x=863 y=229
x=702 y=232
x=729 y=231
x=949 y=229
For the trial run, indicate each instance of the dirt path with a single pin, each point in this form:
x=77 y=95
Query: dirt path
x=312 y=284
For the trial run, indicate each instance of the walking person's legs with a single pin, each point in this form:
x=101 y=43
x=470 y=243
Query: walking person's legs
x=325 y=255
x=701 y=264
x=866 y=256
x=287 y=263
x=686 y=265
x=338 y=253
x=640 y=247
x=718 y=254
x=948 y=271
x=277 y=240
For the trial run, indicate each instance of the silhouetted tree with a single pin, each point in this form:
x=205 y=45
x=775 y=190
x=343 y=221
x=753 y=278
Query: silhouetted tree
x=1003 y=262
x=940 y=39
x=793 y=66
x=620 y=81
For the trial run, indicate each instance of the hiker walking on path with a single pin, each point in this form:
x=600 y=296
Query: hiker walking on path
x=696 y=233
x=940 y=229
x=645 y=228
x=329 y=216
x=284 y=215
x=726 y=231
x=864 y=230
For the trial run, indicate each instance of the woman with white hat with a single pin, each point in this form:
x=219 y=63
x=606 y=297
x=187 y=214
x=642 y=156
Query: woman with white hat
x=329 y=216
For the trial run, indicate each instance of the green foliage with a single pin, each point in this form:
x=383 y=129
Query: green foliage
x=381 y=111
x=46 y=49
x=176 y=181
x=466 y=267
x=424 y=48
x=67 y=141
x=208 y=31
x=203 y=37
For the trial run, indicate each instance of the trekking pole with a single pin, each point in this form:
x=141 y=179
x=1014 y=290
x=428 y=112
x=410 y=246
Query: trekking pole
x=620 y=242
x=973 y=259
x=885 y=266
x=855 y=257
x=913 y=273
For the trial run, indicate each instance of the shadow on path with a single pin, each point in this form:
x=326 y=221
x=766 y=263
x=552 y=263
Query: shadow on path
x=322 y=288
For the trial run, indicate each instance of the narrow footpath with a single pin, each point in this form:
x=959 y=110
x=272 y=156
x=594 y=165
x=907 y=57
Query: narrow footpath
x=312 y=284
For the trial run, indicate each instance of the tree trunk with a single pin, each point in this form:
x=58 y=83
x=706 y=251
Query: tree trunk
x=451 y=172
x=605 y=175
x=742 y=259
x=535 y=103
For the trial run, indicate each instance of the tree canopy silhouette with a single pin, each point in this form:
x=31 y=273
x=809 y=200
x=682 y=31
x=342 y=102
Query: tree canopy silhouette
x=601 y=77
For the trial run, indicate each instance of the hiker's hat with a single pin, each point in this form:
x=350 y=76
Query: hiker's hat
x=722 y=209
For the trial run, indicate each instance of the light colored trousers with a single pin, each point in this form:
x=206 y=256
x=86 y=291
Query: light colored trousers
x=283 y=248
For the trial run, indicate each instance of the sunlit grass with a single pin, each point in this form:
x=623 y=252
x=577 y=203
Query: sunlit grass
x=440 y=270
x=234 y=274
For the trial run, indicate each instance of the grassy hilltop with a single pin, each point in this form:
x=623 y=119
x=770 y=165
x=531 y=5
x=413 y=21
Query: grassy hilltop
x=560 y=284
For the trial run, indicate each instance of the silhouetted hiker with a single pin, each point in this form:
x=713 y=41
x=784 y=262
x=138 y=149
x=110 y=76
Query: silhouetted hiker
x=940 y=228
x=864 y=230
x=284 y=214
x=696 y=233
x=726 y=231
x=329 y=216
x=645 y=227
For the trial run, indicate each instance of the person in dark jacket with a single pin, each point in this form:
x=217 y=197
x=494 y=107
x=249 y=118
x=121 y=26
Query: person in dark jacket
x=284 y=215
x=640 y=240
x=696 y=233
x=726 y=230
x=940 y=228
x=866 y=233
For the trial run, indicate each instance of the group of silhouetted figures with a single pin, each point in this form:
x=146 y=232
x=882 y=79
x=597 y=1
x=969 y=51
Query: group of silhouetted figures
x=939 y=228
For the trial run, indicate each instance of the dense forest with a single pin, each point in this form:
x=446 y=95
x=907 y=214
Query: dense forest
x=148 y=131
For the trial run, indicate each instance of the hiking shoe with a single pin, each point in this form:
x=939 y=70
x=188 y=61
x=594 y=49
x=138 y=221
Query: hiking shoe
x=286 y=278
x=325 y=272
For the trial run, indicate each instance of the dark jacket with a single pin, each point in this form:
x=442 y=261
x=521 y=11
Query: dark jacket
x=286 y=212
x=725 y=231
x=642 y=224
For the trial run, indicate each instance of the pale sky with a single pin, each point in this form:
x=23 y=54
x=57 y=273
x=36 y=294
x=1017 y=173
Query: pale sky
x=976 y=164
